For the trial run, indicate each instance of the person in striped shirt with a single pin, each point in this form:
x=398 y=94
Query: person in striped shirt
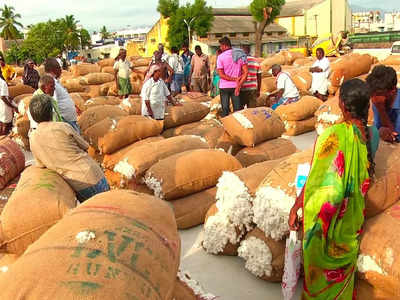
x=250 y=90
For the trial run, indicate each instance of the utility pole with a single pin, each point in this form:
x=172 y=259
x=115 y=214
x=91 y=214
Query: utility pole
x=188 y=26
x=316 y=25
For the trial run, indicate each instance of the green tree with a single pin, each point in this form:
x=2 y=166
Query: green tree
x=198 y=15
x=167 y=7
x=264 y=13
x=84 y=37
x=9 y=23
x=104 y=33
x=71 y=32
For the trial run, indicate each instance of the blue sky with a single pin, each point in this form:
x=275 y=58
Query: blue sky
x=95 y=13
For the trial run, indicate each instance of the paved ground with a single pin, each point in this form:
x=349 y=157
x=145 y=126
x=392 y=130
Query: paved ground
x=224 y=276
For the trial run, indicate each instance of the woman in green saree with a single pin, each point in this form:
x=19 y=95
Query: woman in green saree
x=333 y=198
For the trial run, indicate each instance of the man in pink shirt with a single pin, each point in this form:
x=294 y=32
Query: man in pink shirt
x=233 y=74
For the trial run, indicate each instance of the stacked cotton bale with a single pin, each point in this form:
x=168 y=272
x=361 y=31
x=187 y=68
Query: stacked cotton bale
x=144 y=264
x=328 y=114
x=228 y=221
x=298 y=117
x=186 y=288
x=21 y=124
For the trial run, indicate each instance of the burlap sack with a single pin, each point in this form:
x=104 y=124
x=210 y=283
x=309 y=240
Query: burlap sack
x=100 y=129
x=132 y=105
x=110 y=160
x=304 y=62
x=268 y=85
x=210 y=131
x=229 y=248
x=105 y=87
x=378 y=261
x=22 y=141
x=294 y=128
x=45 y=197
x=392 y=60
x=194 y=97
x=108 y=69
x=328 y=114
x=385 y=188
x=268 y=150
x=6 y=261
x=186 y=288
x=85 y=96
x=300 y=110
x=138 y=160
x=366 y=291
x=185 y=173
x=348 y=67
x=93 y=90
x=20 y=89
x=6 y=192
x=303 y=80
x=117 y=245
x=17 y=99
x=227 y=143
x=276 y=195
x=127 y=131
x=252 y=126
x=95 y=114
x=187 y=113
x=290 y=56
x=267 y=63
x=12 y=161
x=19 y=71
x=136 y=86
x=73 y=85
x=102 y=100
x=95 y=154
x=22 y=125
x=191 y=210
x=79 y=101
x=272 y=256
x=83 y=69
x=141 y=62
x=179 y=129
x=107 y=62
x=96 y=78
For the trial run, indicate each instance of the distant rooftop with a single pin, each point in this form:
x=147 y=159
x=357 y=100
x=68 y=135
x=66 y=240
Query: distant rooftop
x=240 y=24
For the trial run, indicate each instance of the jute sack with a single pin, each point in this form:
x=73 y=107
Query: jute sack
x=73 y=85
x=95 y=114
x=194 y=97
x=127 y=131
x=96 y=78
x=12 y=161
x=117 y=181
x=132 y=105
x=276 y=195
x=83 y=69
x=221 y=237
x=379 y=261
x=252 y=126
x=93 y=90
x=17 y=99
x=19 y=71
x=294 y=128
x=117 y=245
x=108 y=69
x=385 y=186
x=102 y=100
x=185 y=173
x=328 y=114
x=45 y=197
x=303 y=80
x=22 y=125
x=264 y=256
x=137 y=161
x=210 y=131
x=186 y=288
x=85 y=96
x=136 y=86
x=179 y=129
x=227 y=143
x=366 y=291
x=268 y=85
x=79 y=101
x=348 y=67
x=141 y=62
x=110 y=160
x=392 y=60
x=20 y=89
x=267 y=63
x=302 y=62
x=95 y=154
x=6 y=192
x=100 y=129
x=191 y=210
x=112 y=90
x=300 y=110
x=187 y=113
x=269 y=150
x=107 y=62
x=105 y=87
x=22 y=141
x=6 y=262
x=291 y=56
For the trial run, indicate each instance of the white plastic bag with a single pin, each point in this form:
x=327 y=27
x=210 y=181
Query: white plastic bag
x=293 y=257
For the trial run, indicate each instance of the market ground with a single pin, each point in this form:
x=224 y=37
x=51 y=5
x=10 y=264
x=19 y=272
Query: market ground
x=226 y=277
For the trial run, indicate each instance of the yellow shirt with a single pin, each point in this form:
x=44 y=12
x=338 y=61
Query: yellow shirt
x=8 y=72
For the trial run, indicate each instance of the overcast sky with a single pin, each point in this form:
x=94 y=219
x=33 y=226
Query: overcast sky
x=116 y=14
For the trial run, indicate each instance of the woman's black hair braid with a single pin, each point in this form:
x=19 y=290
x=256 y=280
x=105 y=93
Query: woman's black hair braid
x=355 y=96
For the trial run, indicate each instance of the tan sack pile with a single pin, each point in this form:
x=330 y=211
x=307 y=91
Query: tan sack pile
x=12 y=161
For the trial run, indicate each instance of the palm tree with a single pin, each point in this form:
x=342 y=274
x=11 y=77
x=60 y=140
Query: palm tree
x=104 y=33
x=72 y=38
x=8 y=23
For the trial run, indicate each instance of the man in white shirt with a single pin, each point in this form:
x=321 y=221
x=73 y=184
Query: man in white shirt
x=176 y=63
x=6 y=109
x=286 y=92
x=64 y=101
x=320 y=71
x=155 y=95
